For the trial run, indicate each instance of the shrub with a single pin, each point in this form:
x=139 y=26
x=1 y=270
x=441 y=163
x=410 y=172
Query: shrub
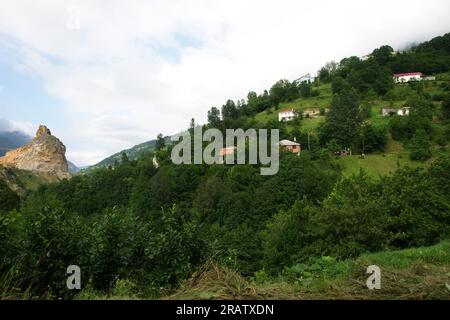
x=8 y=199
x=420 y=146
x=11 y=239
x=373 y=138
x=114 y=235
x=419 y=208
x=54 y=240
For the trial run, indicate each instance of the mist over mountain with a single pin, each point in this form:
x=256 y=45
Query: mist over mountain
x=12 y=140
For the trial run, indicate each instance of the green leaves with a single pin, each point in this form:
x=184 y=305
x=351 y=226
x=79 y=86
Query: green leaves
x=8 y=199
x=411 y=208
x=343 y=121
x=420 y=146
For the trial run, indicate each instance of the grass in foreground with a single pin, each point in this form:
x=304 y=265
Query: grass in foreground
x=419 y=273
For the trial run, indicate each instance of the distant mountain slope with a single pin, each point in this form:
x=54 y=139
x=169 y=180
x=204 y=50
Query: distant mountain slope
x=72 y=167
x=132 y=154
x=12 y=140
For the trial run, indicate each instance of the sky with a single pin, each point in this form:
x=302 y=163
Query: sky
x=107 y=75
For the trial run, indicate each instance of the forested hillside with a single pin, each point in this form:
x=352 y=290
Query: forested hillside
x=149 y=227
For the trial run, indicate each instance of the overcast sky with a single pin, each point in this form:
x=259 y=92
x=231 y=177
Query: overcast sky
x=106 y=75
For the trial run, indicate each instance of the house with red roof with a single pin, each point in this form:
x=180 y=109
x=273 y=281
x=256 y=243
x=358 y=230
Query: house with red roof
x=286 y=114
x=407 y=77
x=291 y=146
x=227 y=151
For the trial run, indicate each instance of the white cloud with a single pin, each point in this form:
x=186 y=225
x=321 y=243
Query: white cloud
x=12 y=126
x=129 y=71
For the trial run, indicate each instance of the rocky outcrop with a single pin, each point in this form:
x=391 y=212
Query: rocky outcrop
x=44 y=154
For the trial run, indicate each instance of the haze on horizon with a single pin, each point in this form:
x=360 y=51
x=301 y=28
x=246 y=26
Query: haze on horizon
x=106 y=76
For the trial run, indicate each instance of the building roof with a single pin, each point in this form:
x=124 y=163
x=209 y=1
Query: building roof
x=306 y=77
x=408 y=74
x=288 y=143
x=286 y=110
x=226 y=151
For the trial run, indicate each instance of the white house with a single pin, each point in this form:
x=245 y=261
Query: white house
x=307 y=77
x=388 y=111
x=407 y=77
x=286 y=115
x=401 y=112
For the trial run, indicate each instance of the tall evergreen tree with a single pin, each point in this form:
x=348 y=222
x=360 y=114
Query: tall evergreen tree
x=343 y=122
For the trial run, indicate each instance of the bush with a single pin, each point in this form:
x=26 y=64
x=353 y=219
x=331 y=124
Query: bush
x=373 y=138
x=315 y=93
x=11 y=240
x=404 y=128
x=286 y=236
x=115 y=235
x=325 y=267
x=420 y=146
x=54 y=240
x=437 y=97
x=419 y=208
x=8 y=199
x=350 y=222
x=411 y=208
x=170 y=250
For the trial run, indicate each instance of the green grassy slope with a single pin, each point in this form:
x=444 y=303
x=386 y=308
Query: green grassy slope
x=395 y=155
x=321 y=101
x=375 y=164
x=132 y=153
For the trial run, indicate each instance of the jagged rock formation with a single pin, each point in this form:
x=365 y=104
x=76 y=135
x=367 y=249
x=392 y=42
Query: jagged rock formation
x=44 y=154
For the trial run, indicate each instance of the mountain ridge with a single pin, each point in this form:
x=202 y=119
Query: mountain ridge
x=45 y=153
x=132 y=153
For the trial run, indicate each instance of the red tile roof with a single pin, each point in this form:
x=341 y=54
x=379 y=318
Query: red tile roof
x=286 y=110
x=408 y=74
x=226 y=151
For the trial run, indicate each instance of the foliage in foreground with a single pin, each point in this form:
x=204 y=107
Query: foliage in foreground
x=156 y=249
x=419 y=273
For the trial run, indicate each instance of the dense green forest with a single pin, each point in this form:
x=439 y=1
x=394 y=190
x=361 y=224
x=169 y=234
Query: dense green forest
x=155 y=226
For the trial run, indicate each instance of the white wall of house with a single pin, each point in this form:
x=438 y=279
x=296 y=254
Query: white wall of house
x=307 y=78
x=407 y=77
x=403 y=111
x=286 y=115
x=387 y=111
